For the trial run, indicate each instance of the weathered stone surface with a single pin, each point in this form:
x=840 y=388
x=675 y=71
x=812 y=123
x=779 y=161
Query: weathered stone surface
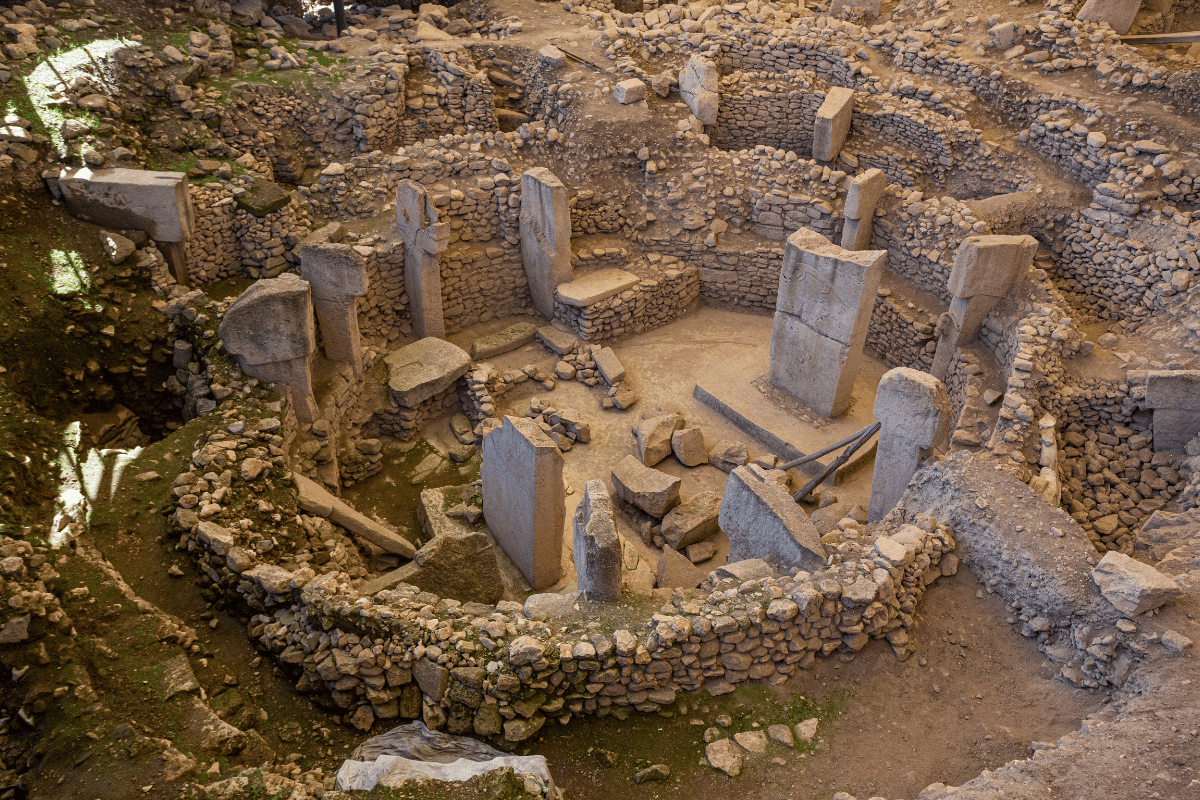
x=524 y=499
x=461 y=566
x=1119 y=14
x=596 y=286
x=505 y=341
x=726 y=455
x=263 y=197
x=1131 y=586
x=423 y=369
x=698 y=87
x=990 y=265
x=654 y=437
x=826 y=296
x=425 y=239
x=338 y=276
x=692 y=520
x=596 y=546
x=676 y=572
x=652 y=491
x=155 y=202
x=833 y=123
x=763 y=521
x=545 y=229
x=609 y=365
x=914 y=412
x=688 y=446
x=1174 y=395
x=864 y=193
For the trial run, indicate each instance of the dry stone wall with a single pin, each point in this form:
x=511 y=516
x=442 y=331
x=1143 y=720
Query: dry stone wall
x=667 y=289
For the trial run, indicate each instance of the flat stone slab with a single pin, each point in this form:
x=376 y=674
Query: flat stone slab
x=505 y=341
x=557 y=341
x=763 y=521
x=423 y=369
x=1131 y=586
x=596 y=286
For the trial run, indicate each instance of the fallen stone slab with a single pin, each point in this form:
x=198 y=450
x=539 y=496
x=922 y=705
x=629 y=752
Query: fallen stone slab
x=700 y=552
x=424 y=369
x=763 y=521
x=728 y=455
x=609 y=365
x=749 y=569
x=315 y=500
x=652 y=491
x=557 y=341
x=552 y=605
x=1131 y=586
x=692 y=520
x=676 y=572
x=596 y=286
x=504 y=341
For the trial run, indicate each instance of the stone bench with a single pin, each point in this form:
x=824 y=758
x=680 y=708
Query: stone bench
x=424 y=369
x=596 y=286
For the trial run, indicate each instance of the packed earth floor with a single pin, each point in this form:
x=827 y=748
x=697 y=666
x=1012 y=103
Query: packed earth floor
x=599 y=399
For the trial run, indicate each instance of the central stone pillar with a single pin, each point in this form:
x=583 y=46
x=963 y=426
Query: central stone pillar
x=826 y=296
x=914 y=411
x=338 y=276
x=425 y=239
x=545 y=229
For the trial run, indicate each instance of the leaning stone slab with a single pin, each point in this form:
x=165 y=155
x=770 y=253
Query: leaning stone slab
x=318 y=502
x=1131 y=586
x=692 y=520
x=652 y=491
x=609 y=365
x=833 y=123
x=676 y=572
x=557 y=341
x=524 y=499
x=596 y=286
x=596 y=545
x=505 y=341
x=424 y=369
x=155 y=202
x=763 y=521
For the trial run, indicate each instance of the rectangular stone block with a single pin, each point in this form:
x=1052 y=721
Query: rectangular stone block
x=524 y=498
x=596 y=547
x=830 y=289
x=423 y=369
x=155 y=202
x=833 y=123
x=545 y=230
x=596 y=286
x=629 y=91
x=763 y=521
x=864 y=193
x=856 y=233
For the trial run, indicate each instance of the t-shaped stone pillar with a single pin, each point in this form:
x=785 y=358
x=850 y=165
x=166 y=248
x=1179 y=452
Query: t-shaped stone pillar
x=986 y=268
x=914 y=410
x=270 y=330
x=338 y=277
x=826 y=296
x=545 y=228
x=861 y=198
x=425 y=239
x=1174 y=395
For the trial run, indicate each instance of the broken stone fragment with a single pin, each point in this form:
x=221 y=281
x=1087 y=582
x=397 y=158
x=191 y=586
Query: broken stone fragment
x=726 y=455
x=675 y=571
x=654 y=437
x=652 y=491
x=1131 y=586
x=688 y=446
x=726 y=756
x=692 y=520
